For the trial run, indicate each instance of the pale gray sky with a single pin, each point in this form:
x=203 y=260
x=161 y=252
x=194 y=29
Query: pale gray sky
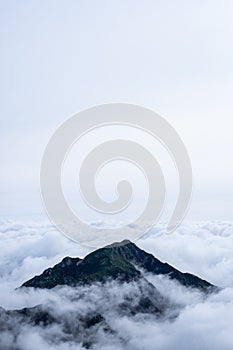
x=173 y=56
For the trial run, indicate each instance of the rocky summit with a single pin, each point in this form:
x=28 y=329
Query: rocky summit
x=122 y=261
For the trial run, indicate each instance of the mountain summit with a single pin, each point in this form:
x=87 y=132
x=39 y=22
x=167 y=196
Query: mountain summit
x=122 y=261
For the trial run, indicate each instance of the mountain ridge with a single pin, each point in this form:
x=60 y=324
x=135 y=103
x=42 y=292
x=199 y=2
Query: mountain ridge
x=121 y=261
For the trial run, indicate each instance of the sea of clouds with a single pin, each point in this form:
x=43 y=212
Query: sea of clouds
x=204 y=248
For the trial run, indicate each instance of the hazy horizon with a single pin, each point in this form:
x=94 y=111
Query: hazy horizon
x=174 y=58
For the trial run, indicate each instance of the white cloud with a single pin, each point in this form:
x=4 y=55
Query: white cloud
x=203 y=248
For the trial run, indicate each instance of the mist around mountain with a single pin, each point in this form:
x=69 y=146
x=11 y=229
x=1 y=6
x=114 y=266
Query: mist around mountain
x=90 y=296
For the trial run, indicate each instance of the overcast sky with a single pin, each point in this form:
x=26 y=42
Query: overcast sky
x=173 y=56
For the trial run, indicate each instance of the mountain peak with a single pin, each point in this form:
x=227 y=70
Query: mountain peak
x=118 y=244
x=122 y=261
